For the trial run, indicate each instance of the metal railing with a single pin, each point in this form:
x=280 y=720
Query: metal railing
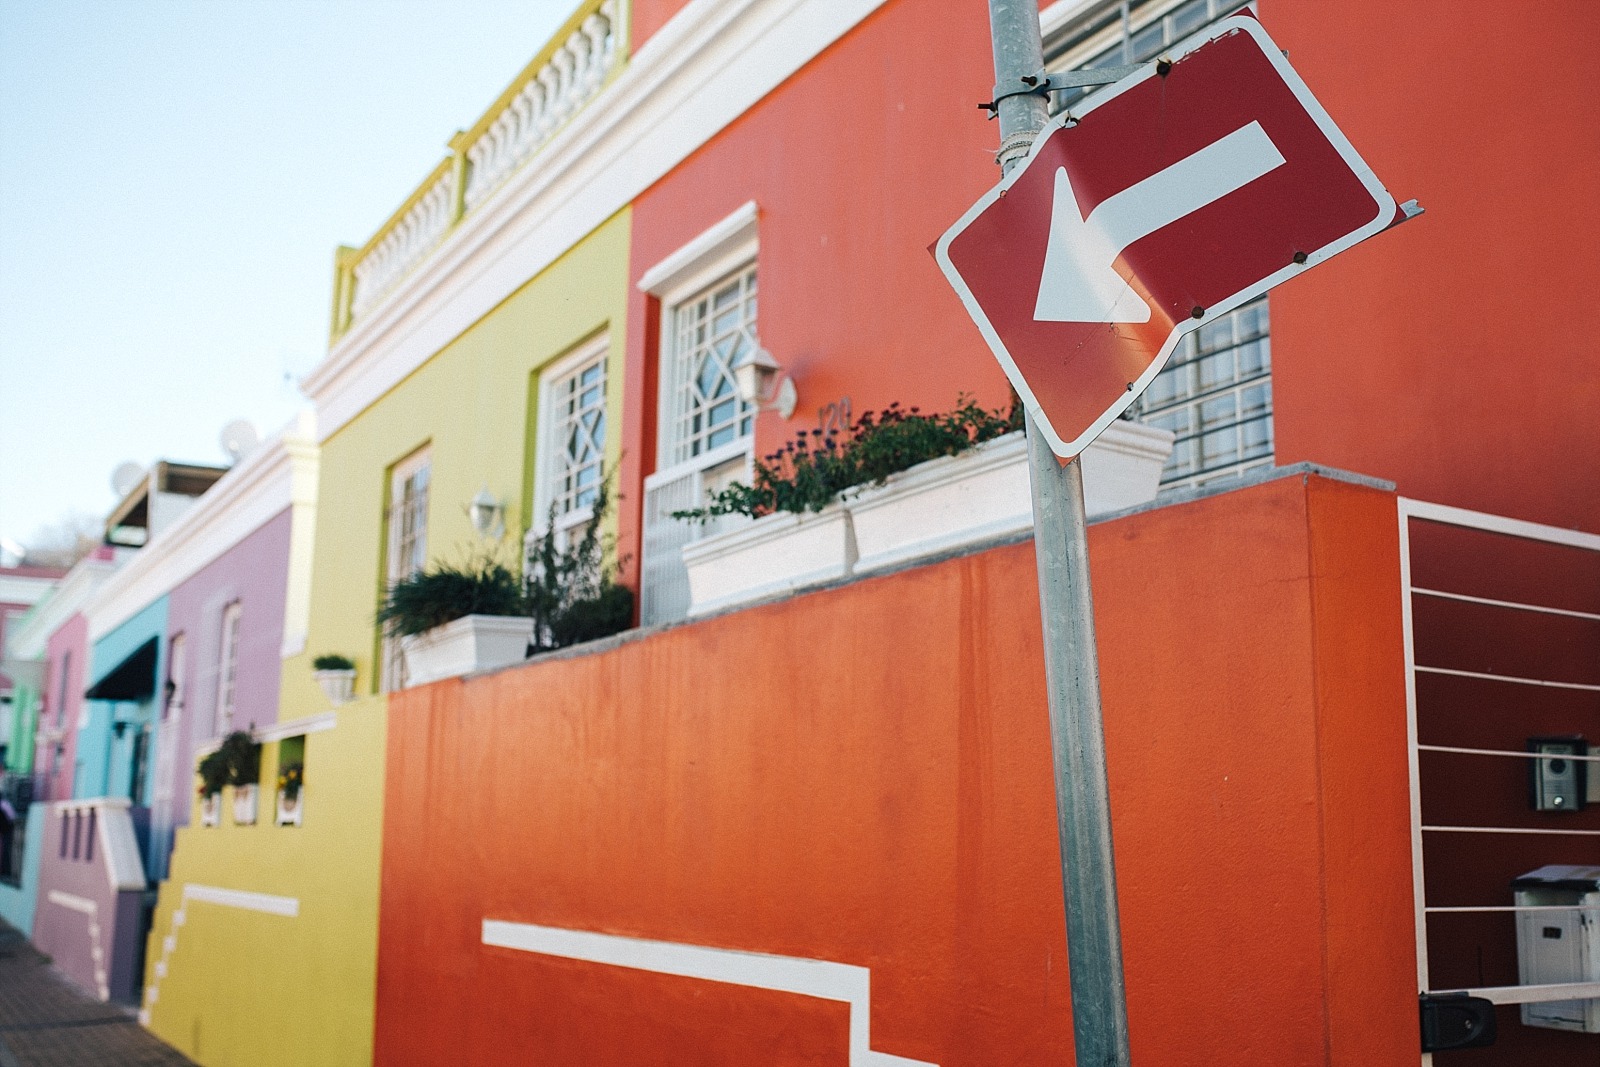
x=1509 y=575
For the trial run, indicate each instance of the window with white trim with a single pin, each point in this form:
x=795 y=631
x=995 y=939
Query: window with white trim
x=227 y=669
x=712 y=331
x=705 y=438
x=407 y=535
x=1215 y=393
x=572 y=437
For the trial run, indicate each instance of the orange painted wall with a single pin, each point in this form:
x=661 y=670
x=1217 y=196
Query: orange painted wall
x=853 y=776
x=858 y=164
x=1451 y=355
x=1447 y=356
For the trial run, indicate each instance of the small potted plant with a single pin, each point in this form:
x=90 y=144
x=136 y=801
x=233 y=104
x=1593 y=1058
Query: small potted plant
x=572 y=590
x=213 y=771
x=291 y=780
x=241 y=755
x=455 y=619
x=336 y=675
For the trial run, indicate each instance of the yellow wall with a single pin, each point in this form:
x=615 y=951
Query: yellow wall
x=244 y=987
x=471 y=403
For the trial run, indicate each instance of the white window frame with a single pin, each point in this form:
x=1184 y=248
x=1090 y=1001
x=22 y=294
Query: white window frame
x=400 y=475
x=227 y=668
x=392 y=672
x=551 y=454
x=721 y=252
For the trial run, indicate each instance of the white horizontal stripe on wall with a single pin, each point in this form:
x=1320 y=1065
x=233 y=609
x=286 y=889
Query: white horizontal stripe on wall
x=288 y=907
x=823 y=979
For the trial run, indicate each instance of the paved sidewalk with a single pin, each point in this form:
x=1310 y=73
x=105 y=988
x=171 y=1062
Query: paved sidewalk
x=46 y=1022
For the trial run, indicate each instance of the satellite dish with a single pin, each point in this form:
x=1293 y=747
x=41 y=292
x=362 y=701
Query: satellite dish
x=239 y=439
x=126 y=477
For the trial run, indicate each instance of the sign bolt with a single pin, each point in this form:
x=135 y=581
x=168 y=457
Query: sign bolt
x=1164 y=67
x=1300 y=257
x=1197 y=312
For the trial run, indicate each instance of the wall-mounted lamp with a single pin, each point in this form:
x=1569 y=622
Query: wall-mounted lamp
x=488 y=515
x=761 y=381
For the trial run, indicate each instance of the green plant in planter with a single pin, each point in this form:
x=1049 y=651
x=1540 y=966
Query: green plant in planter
x=809 y=472
x=235 y=762
x=241 y=757
x=443 y=593
x=291 y=776
x=213 y=771
x=332 y=661
x=571 y=590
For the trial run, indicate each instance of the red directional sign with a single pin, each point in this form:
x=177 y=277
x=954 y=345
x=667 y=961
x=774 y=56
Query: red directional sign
x=1181 y=192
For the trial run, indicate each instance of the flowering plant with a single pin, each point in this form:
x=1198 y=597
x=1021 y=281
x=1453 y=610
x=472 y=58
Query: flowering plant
x=291 y=776
x=808 y=472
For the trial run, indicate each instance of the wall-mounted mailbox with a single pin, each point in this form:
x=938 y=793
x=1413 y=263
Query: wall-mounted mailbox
x=1558 y=782
x=1561 y=945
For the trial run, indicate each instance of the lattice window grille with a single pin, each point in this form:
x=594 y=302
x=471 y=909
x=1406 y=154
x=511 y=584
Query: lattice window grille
x=1215 y=395
x=712 y=333
x=1097 y=39
x=576 y=441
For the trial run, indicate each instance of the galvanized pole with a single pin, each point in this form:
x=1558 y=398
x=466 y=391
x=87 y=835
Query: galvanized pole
x=1072 y=671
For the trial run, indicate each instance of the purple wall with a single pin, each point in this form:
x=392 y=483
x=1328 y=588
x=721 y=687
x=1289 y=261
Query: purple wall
x=68 y=649
x=253 y=573
x=79 y=910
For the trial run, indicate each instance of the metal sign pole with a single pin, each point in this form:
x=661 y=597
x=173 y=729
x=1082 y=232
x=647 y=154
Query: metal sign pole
x=1072 y=670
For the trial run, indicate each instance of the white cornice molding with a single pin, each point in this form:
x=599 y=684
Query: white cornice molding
x=25 y=589
x=737 y=228
x=255 y=491
x=701 y=71
x=30 y=639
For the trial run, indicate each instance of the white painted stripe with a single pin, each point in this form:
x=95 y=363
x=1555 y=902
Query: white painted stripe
x=1556 y=535
x=1537 y=994
x=1507 y=752
x=1413 y=760
x=288 y=907
x=310 y=724
x=1510 y=830
x=1419 y=591
x=76 y=903
x=1519 y=907
x=823 y=979
x=1585 y=686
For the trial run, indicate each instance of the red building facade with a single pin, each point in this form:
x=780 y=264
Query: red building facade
x=859 y=777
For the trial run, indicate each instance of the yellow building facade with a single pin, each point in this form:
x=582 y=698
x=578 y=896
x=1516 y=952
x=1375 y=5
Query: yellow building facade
x=263 y=948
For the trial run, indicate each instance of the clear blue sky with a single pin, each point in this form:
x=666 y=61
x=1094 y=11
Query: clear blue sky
x=174 y=177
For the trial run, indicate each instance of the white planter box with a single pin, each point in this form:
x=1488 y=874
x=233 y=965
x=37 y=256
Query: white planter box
x=774 y=554
x=1122 y=468
x=938 y=506
x=942 y=504
x=290 y=812
x=211 y=809
x=245 y=802
x=338 y=686
x=960 y=500
x=471 y=643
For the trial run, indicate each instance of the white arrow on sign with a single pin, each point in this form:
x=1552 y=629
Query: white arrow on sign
x=1079 y=282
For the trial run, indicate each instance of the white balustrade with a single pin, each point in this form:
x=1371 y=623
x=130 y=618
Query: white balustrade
x=405 y=244
x=573 y=74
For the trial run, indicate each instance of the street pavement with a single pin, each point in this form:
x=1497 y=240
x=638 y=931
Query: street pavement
x=45 y=1021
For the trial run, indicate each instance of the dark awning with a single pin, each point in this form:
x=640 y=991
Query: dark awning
x=132 y=679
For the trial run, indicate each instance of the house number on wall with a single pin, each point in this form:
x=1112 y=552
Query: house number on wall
x=834 y=417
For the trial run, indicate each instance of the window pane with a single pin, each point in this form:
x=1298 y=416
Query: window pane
x=705 y=410
x=573 y=448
